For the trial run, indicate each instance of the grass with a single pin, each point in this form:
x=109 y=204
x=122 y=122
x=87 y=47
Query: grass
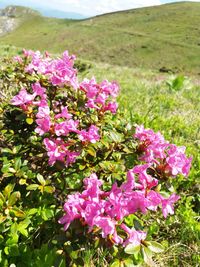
x=164 y=36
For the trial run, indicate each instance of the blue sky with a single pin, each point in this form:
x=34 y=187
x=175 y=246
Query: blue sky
x=87 y=7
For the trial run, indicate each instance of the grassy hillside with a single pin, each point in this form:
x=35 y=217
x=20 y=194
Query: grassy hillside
x=164 y=37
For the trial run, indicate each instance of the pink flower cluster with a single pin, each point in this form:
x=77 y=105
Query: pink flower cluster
x=106 y=210
x=53 y=118
x=57 y=125
x=59 y=71
x=169 y=159
x=100 y=96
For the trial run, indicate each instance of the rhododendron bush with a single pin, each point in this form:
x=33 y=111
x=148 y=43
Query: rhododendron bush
x=75 y=171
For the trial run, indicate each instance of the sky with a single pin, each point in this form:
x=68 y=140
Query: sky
x=88 y=7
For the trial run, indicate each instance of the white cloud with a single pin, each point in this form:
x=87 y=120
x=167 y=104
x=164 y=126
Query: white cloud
x=92 y=7
x=88 y=7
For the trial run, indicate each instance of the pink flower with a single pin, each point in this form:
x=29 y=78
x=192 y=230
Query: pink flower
x=43 y=125
x=177 y=162
x=65 y=127
x=18 y=59
x=134 y=237
x=167 y=205
x=43 y=120
x=91 y=135
x=72 y=208
x=59 y=71
x=110 y=88
x=146 y=180
x=57 y=150
x=39 y=90
x=112 y=107
x=106 y=224
x=71 y=157
x=23 y=97
x=170 y=159
x=92 y=185
x=90 y=87
x=99 y=95
x=64 y=114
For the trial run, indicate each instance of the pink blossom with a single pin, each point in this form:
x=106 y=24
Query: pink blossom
x=134 y=237
x=59 y=71
x=65 y=127
x=112 y=107
x=177 y=162
x=64 y=114
x=72 y=208
x=146 y=180
x=100 y=96
x=90 y=87
x=39 y=90
x=43 y=125
x=57 y=151
x=169 y=159
x=89 y=136
x=18 y=59
x=167 y=205
x=107 y=210
x=106 y=224
x=43 y=120
x=92 y=185
x=23 y=97
x=110 y=88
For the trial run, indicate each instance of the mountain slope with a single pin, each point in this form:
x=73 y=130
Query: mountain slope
x=162 y=37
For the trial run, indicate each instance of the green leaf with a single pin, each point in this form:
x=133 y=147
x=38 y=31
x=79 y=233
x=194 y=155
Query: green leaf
x=7 y=150
x=13 y=239
x=14 y=197
x=116 y=263
x=13 y=250
x=155 y=246
x=2 y=218
x=6 y=250
x=81 y=167
x=132 y=249
x=32 y=187
x=49 y=189
x=147 y=256
x=90 y=150
x=1 y=239
x=2 y=198
x=29 y=121
x=5 y=168
x=32 y=211
x=41 y=179
x=18 y=213
x=47 y=214
x=128 y=263
x=18 y=163
x=22 y=227
x=116 y=137
x=8 y=190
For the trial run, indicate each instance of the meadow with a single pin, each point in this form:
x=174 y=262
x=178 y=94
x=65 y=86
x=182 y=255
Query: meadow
x=164 y=37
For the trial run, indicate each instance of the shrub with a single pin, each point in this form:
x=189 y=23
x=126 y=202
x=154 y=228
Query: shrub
x=55 y=132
